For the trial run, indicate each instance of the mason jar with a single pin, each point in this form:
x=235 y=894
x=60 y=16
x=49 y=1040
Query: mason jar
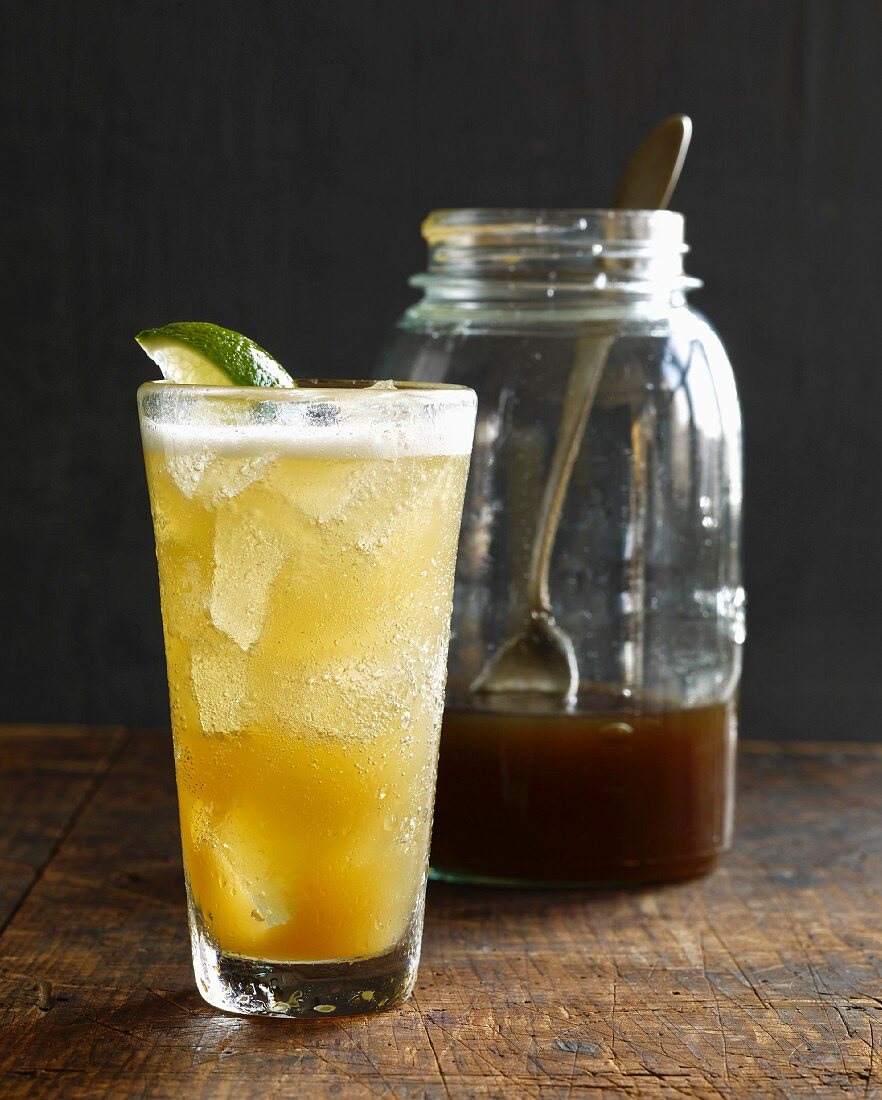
x=617 y=766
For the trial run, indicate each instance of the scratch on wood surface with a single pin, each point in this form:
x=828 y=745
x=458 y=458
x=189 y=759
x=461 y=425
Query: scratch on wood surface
x=822 y=993
x=130 y=1035
x=712 y=987
x=185 y=1009
x=431 y=1042
x=736 y=962
x=871 y=1058
x=344 y=1029
x=612 y=1019
x=336 y=1068
x=532 y=1052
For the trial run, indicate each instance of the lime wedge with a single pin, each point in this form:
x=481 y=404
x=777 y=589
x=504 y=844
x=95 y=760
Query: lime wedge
x=197 y=353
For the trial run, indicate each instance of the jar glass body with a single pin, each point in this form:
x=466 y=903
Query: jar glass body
x=631 y=777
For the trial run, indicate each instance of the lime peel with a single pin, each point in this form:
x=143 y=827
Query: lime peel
x=198 y=353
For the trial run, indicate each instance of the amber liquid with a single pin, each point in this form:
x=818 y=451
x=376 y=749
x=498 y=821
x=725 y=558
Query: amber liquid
x=625 y=795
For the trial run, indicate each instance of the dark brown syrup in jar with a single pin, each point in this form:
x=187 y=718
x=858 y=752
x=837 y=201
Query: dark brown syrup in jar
x=623 y=791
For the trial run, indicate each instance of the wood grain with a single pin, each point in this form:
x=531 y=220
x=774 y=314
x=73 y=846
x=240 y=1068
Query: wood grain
x=763 y=979
x=45 y=778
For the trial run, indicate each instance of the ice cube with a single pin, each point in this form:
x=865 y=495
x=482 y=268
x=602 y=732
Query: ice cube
x=227 y=476
x=400 y=512
x=183 y=596
x=253 y=885
x=348 y=699
x=217 y=671
x=337 y=489
x=186 y=470
x=328 y=492
x=215 y=477
x=201 y=830
x=247 y=559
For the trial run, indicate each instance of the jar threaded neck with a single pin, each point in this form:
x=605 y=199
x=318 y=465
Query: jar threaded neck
x=620 y=251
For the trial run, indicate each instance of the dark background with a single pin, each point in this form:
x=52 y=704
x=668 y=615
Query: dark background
x=266 y=165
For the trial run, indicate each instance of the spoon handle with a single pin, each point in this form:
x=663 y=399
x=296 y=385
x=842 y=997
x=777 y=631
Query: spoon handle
x=588 y=363
x=647 y=183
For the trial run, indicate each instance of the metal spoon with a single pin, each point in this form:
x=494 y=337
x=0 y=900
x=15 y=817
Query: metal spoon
x=651 y=174
x=541 y=658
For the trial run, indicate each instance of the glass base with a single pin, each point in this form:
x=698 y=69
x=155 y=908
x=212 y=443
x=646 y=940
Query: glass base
x=641 y=874
x=303 y=990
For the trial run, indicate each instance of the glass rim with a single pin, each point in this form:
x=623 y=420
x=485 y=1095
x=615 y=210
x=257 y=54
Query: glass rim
x=482 y=222
x=316 y=389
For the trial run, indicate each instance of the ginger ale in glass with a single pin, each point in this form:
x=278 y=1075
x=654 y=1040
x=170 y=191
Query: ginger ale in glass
x=306 y=541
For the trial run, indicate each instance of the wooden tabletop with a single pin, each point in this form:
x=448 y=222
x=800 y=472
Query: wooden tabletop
x=764 y=979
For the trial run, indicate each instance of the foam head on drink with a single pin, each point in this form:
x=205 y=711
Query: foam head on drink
x=306 y=572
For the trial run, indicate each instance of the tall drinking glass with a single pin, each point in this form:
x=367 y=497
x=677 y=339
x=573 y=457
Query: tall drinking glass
x=306 y=541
